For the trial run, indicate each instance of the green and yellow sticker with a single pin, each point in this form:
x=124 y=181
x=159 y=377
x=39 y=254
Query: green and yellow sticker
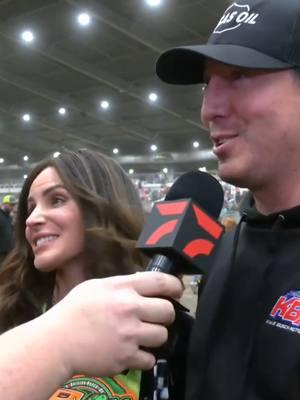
x=120 y=387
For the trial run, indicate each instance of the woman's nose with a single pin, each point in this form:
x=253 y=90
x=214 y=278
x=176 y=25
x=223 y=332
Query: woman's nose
x=37 y=216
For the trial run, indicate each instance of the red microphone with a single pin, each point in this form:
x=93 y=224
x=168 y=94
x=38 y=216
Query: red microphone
x=182 y=232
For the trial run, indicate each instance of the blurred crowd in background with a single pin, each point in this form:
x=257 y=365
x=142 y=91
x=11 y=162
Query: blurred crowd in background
x=155 y=190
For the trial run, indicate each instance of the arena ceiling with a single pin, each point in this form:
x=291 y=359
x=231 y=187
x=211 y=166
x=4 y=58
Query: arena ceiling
x=112 y=59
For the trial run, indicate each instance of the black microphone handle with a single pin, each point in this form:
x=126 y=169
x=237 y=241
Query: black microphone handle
x=162 y=263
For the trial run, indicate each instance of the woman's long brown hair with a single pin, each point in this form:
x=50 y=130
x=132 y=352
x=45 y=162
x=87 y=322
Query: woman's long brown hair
x=113 y=217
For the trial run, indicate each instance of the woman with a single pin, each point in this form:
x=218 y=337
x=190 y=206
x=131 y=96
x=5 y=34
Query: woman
x=79 y=217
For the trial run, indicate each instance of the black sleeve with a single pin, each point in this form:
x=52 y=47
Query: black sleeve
x=6 y=236
x=175 y=353
x=178 y=355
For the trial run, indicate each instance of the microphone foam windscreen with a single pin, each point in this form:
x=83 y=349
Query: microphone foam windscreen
x=202 y=188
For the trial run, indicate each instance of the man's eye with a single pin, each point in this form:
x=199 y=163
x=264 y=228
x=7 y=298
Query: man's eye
x=241 y=74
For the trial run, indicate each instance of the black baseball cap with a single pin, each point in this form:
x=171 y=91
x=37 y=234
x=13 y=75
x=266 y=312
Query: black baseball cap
x=262 y=34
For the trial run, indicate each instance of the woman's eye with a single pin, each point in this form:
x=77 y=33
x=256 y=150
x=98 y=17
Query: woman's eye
x=58 y=200
x=30 y=209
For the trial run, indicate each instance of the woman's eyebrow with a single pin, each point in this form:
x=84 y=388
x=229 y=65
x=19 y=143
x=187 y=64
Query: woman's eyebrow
x=48 y=190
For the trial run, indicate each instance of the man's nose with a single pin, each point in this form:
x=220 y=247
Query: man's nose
x=216 y=100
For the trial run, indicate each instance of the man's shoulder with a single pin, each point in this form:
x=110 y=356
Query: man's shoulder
x=4 y=219
x=3 y=214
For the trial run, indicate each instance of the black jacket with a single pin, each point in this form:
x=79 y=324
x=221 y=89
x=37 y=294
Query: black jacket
x=246 y=339
x=6 y=234
x=175 y=353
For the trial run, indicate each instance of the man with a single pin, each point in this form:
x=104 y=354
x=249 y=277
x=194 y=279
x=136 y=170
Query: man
x=6 y=228
x=102 y=327
x=246 y=341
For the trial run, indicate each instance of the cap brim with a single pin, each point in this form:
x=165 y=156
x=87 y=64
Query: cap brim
x=185 y=65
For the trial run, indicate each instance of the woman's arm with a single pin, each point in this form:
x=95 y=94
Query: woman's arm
x=98 y=328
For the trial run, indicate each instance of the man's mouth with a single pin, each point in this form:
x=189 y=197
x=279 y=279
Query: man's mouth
x=219 y=141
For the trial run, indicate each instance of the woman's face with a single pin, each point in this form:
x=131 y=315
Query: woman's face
x=54 y=226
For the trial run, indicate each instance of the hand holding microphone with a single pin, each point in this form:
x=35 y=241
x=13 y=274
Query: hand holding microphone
x=99 y=328
x=116 y=318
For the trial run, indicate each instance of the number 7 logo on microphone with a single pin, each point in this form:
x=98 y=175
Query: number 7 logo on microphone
x=182 y=228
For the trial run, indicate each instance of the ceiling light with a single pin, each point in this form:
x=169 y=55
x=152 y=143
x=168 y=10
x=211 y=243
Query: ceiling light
x=27 y=36
x=25 y=176
x=153 y=97
x=153 y=147
x=26 y=117
x=196 y=145
x=62 y=111
x=131 y=171
x=154 y=3
x=203 y=169
x=25 y=158
x=116 y=151
x=1 y=160
x=56 y=154
x=104 y=104
x=165 y=170
x=84 y=19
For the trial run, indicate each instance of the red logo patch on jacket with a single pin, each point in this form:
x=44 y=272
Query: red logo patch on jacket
x=286 y=312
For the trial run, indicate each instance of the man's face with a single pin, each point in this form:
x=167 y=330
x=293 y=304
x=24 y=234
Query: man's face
x=8 y=207
x=254 y=121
